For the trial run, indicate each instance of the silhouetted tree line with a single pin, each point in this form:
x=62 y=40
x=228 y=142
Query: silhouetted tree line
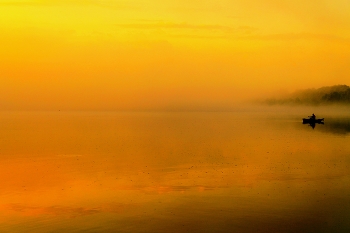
x=324 y=95
x=335 y=96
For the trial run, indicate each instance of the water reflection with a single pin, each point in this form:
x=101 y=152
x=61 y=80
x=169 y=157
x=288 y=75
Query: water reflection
x=340 y=126
x=313 y=124
x=170 y=172
x=333 y=125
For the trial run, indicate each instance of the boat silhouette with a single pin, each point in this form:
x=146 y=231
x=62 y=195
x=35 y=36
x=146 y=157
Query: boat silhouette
x=311 y=120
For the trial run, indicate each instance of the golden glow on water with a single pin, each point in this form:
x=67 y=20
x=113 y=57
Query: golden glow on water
x=169 y=172
x=173 y=172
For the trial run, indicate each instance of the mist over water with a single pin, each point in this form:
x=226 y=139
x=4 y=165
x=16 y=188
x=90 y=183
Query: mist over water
x=249 y=170
x=140 y=116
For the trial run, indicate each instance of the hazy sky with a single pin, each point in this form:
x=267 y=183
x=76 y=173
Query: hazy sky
x=167 y=54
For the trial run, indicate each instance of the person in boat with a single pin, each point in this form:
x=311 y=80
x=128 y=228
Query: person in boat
x=313 y=117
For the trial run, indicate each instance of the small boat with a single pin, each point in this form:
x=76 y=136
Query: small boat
x=311 y=120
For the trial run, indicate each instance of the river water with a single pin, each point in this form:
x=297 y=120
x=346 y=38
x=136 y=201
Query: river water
x=173 y=172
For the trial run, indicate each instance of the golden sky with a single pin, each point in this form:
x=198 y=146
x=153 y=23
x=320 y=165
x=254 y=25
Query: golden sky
x=165 y=54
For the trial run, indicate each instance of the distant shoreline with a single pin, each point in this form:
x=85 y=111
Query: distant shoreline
x=329 y=95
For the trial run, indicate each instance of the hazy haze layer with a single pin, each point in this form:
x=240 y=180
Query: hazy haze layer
x=167 y=55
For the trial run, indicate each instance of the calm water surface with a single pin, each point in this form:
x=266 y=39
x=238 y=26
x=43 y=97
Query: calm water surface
x=173 y=172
